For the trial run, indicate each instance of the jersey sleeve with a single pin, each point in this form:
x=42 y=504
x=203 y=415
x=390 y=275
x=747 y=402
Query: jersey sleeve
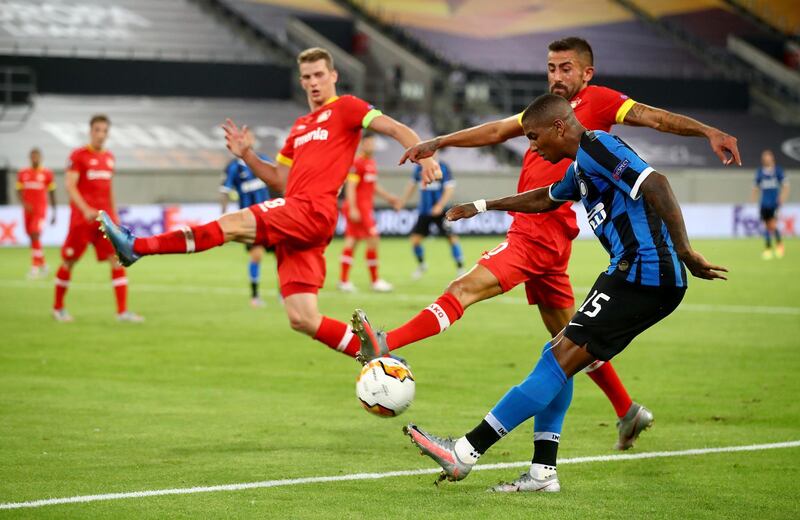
x=781 y=175
x=360 y=113
x=75 y=161
x=19 y=184
x=230 y=175
x=286 y=155
x=567 y=188
x=51 y=181
x=609 y=157
x=757 y=178
x=612 y=105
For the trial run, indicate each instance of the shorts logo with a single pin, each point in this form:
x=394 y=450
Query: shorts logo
x=620 y=168
x=324 y=116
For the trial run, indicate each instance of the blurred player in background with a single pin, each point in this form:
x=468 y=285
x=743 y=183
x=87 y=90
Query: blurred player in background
x=433 y=200
x=312 y=167
x=88 y=181
x=360 y=189
x=33 y=185
x=537 y=248
x=249 y=190
x=774 y=187
x=633 y=211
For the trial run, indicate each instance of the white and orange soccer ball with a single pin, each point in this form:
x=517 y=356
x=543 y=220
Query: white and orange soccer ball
x=385 y=387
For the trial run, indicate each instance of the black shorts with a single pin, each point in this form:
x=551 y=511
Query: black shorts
x=616 y=311
x=423 y=225
x=768 y=213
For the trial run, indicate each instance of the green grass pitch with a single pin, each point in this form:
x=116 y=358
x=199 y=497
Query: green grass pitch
x=209 y=391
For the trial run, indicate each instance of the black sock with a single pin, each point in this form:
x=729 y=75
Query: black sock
x=482 y=437
x=254 y=289
x=545 y=452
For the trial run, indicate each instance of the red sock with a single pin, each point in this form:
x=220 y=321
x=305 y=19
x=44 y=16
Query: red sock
x=187 y=240
x=607 y=379
x=62 y=283
x=432 y=320
x=37 y=256
x=372 y=264
x=347 y=260
x=337 y=336
x=120 y=284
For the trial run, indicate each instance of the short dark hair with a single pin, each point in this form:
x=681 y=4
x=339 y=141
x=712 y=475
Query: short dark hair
x=99 y=118
x=573 y=43
x=35 y=149
x=545 y=105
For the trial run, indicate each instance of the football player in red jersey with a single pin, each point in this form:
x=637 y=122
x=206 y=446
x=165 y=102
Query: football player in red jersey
x=360 y=190
x=319 y=152
x=538 y=246
x=88 y=181
x=32 y=186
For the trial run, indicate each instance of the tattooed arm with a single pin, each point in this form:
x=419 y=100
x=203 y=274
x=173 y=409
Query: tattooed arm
x=664 y=121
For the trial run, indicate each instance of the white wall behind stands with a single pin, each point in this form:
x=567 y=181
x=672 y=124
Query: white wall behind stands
x=702 y=221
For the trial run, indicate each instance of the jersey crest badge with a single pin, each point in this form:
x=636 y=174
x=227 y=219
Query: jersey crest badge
x=324 y=116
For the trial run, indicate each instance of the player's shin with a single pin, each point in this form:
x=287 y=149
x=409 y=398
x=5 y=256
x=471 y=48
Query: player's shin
x=37 y=256
x=62 y=284
x=520 y=403
x=254 y=270
x=547 y=433
x=346 y=261
x=432 y=320
x=120 y=283
x=604 y=376
x=188 y=239
x=372 y=264
x=338 y=336
x=458 y=254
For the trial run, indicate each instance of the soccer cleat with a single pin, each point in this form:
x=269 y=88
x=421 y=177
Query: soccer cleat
x=256 y=302
x=779 y=251
x=121 y=239
x=419 y=272
x=381 y=285
x=62 y=316
x=767 y=254
x=129 y=317
x=441 y=450
x=526 y=483
x=35 y=273
x=632 y=424
x=373 y=344
x=346 y=287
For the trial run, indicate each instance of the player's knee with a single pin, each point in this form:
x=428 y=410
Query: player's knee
x=465 y=289
x=301 y=322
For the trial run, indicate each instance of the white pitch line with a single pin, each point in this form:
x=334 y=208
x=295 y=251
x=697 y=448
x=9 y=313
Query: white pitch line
x=416 y=298
x=388 y=474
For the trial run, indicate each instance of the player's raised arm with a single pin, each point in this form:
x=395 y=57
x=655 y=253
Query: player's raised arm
x=240 y=145
x=407 y=137
x=724 y=145
x=533 y=201
x=659 y=196
x=487 y=134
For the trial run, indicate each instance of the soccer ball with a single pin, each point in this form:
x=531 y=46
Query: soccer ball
x=385 y=387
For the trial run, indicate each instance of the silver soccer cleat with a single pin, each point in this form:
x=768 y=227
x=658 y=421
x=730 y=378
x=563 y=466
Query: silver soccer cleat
x=373 y=343
x=526 y=483
x=637 y=420
x=442 y=451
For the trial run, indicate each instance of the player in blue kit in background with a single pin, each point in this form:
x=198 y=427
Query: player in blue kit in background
x=774 y=188
x=250 y=190
x=433 y=200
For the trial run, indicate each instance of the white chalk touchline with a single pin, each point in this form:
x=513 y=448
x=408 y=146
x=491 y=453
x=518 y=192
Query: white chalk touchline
x=368 y=295
x=388 y=474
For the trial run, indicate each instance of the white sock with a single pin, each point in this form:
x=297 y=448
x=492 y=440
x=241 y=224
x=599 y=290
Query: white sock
x=466 y=452
x=541 y=471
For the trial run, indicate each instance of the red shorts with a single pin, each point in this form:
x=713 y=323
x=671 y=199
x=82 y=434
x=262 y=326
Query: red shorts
x=299 y=232
x=541 y=265
x=363 y=229
x=82 y=233
x=34 y=221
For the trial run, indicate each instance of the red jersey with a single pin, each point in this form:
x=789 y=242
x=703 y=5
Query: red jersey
x=320 y=149
x=597 y=108
x=34 y=185
x=365 y=173
x=95 y=169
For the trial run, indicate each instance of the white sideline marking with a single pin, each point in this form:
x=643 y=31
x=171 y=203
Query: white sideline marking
x=388 y=474
x=418 y=298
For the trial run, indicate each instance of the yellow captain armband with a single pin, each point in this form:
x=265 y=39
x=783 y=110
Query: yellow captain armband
x=282 y=159
x=372 y=114
x=353 y=177
x=519 y=118
x=623 y=110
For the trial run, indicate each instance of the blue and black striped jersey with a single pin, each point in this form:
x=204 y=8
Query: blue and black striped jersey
x=429 y=195
x=250 y=189
x=606 y=176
